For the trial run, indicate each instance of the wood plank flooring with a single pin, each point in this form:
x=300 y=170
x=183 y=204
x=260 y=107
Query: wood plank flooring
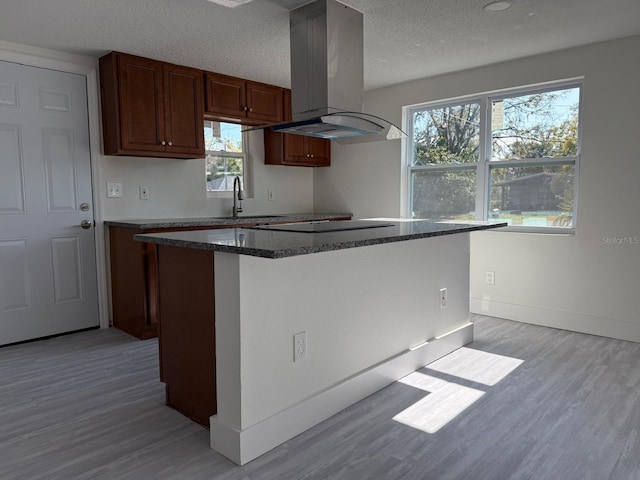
x=90 y=406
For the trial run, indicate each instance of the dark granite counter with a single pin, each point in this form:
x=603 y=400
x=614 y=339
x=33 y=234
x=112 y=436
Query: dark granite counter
x=279 y=241
x=221 y=221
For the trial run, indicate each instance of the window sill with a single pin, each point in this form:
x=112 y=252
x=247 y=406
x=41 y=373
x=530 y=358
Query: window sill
x=225 y=194
x=538 y=230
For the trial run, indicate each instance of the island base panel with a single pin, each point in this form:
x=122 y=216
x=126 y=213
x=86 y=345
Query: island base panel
x=186 y=331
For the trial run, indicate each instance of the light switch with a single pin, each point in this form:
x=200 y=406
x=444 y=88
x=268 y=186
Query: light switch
x=114 y=190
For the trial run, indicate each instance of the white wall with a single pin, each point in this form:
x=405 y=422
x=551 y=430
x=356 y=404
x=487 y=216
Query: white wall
x=362 y=309
x=177 y=187
x=578 y=282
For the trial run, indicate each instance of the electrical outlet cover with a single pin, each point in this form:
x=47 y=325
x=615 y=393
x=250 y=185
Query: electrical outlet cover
x=299 y=346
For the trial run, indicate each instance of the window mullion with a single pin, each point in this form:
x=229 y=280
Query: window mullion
x=482 y=174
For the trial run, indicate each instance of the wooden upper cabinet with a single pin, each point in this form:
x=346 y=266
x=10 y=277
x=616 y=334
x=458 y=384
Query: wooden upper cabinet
x=295 y=150
x=231 y=98
x=151 y=108
x=184 y=116
x=225 y=96
x=264 y=102
x=299 y=150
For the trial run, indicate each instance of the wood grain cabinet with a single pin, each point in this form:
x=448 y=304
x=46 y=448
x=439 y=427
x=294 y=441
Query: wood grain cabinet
x=134 y=282
x=236 y=99
x=295 y=150
x=151 y=108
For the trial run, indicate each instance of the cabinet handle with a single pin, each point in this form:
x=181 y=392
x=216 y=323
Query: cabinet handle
x=163 y=142
x=170 y=143
x=251 y=109
x=311 y=155
x=245 y=109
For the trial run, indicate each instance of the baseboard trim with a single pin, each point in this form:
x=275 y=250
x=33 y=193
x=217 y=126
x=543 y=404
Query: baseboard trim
x=242 y=446
x=575 y=322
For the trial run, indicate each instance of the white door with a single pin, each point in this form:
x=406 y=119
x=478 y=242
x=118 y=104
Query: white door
x=48 y=279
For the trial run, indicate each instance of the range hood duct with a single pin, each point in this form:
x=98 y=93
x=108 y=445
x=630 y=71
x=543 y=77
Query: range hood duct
x=327 y=76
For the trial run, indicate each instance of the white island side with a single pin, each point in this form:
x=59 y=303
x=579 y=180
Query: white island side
x=372 y=314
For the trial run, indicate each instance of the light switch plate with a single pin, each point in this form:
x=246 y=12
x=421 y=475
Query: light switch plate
x=114 y=190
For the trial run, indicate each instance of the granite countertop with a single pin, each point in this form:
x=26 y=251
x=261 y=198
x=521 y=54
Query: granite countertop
x=221 y=221
x=276 y=241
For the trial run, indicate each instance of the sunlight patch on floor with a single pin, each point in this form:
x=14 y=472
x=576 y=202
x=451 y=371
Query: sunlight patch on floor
x=445 y=401
x=475 y=365
x=448 y=399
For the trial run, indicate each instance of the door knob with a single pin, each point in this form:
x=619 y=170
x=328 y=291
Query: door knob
x=85 y=224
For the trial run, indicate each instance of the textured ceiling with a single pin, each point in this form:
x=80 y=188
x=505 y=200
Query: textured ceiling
x=404 y=39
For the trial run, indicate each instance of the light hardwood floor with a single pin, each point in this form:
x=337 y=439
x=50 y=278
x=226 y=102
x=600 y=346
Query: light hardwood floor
x=90 y=406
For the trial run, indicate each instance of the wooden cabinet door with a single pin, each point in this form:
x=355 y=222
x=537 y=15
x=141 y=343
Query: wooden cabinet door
x=141 y=102
x=264 y=102
x=318 y=150
x=307 y=151
x=294 y=149
x=225 y=95
x=184 y=119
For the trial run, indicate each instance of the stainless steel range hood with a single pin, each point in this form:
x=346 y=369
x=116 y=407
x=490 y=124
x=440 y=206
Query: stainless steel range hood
x=327 y=76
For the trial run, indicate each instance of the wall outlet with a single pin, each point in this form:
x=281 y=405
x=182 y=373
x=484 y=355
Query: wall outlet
x=114 y=190
x=443 y=297
x=490 y=278
x=269 y=195
x=299 y=346
x=144 y=193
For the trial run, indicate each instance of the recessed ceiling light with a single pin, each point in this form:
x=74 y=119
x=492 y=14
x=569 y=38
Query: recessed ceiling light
x=230 y=3
x=496 y=6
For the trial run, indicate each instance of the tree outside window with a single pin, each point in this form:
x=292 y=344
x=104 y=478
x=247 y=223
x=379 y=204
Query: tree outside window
x=225 y=158
x=516 y=163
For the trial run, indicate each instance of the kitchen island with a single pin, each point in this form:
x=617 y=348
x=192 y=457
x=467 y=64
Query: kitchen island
x=367 y=296
x=134 y=296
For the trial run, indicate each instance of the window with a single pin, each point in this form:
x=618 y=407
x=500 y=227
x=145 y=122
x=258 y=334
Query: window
x=226 y=155
x=506 y=158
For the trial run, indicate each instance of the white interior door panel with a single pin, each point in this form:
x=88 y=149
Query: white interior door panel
x=48 y=277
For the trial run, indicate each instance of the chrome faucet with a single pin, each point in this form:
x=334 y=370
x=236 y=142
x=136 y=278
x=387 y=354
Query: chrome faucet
x=237 y=208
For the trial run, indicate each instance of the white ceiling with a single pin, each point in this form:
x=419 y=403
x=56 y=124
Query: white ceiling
x=404 y=39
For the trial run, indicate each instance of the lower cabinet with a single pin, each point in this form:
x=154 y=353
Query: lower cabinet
x=134 y=281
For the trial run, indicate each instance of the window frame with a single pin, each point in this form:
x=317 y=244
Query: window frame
x=246 y=167
x=484 y=164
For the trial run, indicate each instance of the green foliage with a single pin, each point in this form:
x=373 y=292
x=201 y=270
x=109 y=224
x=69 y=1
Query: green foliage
x=219 y=166
x=444 y=194
x=447 y=135
x=536 y=126
x=444 y=136
x=222 y=142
